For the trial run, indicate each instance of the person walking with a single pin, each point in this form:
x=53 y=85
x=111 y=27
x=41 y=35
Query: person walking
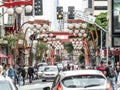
x=31 y=74
x=5 y=70
x=11 y=72
x=20 y=79
x=110 y=74
x=23 y=74
x=117 y=67
x=102 y=68
x=68 y=66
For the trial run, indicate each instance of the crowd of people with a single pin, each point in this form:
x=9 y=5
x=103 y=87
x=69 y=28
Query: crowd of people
x=18 y=74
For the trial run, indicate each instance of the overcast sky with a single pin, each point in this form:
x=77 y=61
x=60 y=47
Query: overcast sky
x=79 y=4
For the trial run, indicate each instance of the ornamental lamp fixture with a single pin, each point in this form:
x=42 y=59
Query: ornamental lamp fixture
x=19 y=10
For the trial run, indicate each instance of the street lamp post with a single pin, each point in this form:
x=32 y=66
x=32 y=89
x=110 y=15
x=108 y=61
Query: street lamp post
x=78 y=29
x=12 y=6
x=39 y=27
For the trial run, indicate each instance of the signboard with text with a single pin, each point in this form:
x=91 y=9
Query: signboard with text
x=115 y=23
x=85 y=17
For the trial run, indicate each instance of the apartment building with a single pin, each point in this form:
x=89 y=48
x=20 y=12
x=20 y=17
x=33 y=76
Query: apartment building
x=99 y=6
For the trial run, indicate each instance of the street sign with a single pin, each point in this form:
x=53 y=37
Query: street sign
x=85 y=17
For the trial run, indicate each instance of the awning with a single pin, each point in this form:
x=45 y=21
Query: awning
x=2 y=55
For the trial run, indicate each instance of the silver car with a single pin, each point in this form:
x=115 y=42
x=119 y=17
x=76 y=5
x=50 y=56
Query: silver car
x=49 y=73
x=81 y=80
x=6 y=83
x=40 y=71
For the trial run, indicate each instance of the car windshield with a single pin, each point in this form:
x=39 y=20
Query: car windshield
x=47 y=69
x=41 y=68
x=83 y=81
x=5 y=85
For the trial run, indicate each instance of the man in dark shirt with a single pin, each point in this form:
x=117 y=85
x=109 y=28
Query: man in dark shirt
x=110 y=74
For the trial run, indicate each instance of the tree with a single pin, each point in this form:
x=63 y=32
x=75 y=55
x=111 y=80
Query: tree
x=58 y=58
x=101 y=20
x=81 y=58
x=68 y=47
x=41 y=48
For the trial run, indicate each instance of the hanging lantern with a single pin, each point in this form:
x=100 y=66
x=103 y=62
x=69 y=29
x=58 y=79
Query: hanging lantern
x=10 y=11
x=19 y=10
x=28 y=8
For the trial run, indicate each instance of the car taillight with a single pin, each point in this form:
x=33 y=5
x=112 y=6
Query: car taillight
x=108 y=86
x=59 y=87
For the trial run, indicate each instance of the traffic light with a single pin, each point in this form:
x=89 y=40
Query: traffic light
x=59 y=13
x=38 y=7
x=71 y=11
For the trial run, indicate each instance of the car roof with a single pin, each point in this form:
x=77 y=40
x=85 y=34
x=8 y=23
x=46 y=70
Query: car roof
x=51 y=66
x=80 y=72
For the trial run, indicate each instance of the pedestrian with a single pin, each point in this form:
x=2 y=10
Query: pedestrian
x=31 y=74
x=15 y=74
x=102 y=68
x=11 y=72
x=117 y=71
x=20 y=79
x=5 y=71
x=110 y=74
x=23 y=74
x=68 y=66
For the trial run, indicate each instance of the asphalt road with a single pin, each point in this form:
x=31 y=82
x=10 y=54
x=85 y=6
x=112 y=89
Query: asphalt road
x=35 y=85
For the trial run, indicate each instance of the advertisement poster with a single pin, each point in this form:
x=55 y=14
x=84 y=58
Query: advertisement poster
x=116 y=16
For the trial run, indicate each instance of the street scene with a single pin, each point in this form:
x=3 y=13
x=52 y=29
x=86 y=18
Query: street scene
x=59 y=44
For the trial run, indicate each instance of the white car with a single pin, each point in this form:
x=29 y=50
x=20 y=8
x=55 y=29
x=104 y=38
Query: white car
x=81 y=80
x=6 y=83
x=42 y=64
x=40 y=71
x=49 y=73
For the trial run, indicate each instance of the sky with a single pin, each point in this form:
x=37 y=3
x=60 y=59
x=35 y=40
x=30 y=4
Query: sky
x=79 y=4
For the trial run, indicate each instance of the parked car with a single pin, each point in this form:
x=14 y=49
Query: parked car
x=40 y=71
x=7 y=84
x=42 y=64
x=60 y=66
x=81 y=80
x=49 y=73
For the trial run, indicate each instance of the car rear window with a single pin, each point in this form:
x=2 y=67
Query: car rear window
x=83 y=81
x=47 y=69
x=5 y=85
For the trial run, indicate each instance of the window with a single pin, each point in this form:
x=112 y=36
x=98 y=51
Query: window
x=100 y=7
x=83 y=81
x=89 y=3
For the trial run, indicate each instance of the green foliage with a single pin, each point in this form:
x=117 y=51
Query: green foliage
x=68 y=47
x=58 y=58
x=11 y=40
x=42 y=46
x=81 y=58
x=101 y=20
